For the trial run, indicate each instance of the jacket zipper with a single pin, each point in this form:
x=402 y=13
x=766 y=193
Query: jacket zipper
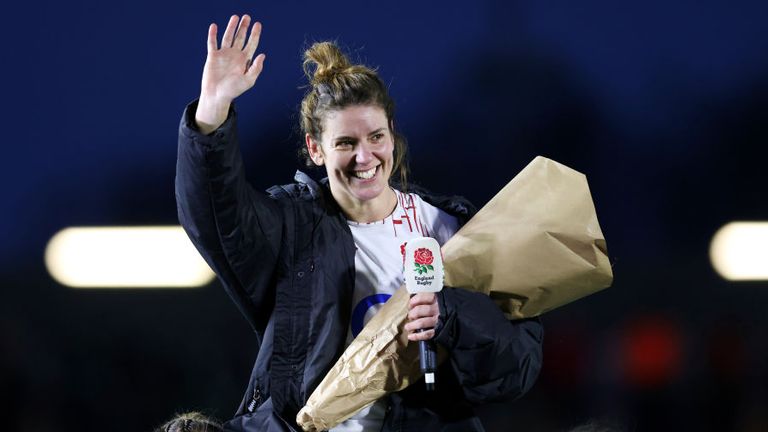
x=255 y=400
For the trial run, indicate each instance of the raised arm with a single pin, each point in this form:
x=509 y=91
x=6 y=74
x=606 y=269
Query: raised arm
x=236 y=229
x=230 y=70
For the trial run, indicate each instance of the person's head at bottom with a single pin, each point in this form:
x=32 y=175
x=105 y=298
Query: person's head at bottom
x=191 y=422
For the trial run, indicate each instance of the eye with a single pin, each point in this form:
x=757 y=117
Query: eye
x=344 y=144
x=377 y=137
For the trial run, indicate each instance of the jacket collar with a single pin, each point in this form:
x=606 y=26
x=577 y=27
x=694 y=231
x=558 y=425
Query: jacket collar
x=320 y=192
x=303 y=178
x=454 y=205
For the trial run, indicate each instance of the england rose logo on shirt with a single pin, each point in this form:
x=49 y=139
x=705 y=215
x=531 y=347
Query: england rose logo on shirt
x=423 y=259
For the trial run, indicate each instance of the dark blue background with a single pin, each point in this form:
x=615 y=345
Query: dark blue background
x=664 y=105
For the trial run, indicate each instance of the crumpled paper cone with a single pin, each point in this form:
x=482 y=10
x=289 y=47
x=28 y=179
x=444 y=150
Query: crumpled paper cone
x=378 y=361
x=535 y=246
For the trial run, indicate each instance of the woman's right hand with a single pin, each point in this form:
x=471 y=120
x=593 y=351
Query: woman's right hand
x=229 y=71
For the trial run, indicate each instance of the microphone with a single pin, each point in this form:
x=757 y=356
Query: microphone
x=423 y=270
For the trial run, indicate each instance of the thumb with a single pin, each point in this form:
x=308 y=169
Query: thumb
x=254 y=70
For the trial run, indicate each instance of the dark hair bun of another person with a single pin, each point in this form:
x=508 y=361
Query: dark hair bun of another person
x=191 y=422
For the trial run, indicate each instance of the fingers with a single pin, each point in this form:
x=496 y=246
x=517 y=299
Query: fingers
x=422 y=311
x=424 y=323
x=422 y=298
x=229 y=33
x=255 y=69
x=242 y=30
x=212 y=38
x=420 y=336
x=235 y=34
x=253 y=40
x=423 y=314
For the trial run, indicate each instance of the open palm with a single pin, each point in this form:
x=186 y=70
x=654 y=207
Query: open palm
x=229 y=70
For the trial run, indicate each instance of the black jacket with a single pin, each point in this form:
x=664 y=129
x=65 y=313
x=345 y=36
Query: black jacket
x=287 y=260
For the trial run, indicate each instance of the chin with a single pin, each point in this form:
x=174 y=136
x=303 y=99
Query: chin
x=369 y=192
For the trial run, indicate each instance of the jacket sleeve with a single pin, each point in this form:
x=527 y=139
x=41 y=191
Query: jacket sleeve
x=236 y=229
x=493 y=358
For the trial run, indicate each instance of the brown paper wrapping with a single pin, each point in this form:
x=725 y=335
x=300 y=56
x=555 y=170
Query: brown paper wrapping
x=378 y=361
x=535 y=246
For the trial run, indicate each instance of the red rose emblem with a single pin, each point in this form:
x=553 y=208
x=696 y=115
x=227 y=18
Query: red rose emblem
x=423 y=256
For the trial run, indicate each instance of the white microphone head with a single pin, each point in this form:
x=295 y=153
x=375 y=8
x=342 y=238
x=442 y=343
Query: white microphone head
x=423 y=265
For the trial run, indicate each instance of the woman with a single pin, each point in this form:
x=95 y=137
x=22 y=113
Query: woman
x=308 y=262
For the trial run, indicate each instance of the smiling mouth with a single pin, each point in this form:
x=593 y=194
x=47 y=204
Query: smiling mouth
x=365 y=175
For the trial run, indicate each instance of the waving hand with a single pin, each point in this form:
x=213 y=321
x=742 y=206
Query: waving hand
x=229 y=71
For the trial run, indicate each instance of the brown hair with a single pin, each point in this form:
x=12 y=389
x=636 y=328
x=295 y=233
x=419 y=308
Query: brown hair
x=335 y=84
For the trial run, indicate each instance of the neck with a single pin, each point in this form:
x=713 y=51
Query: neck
x=369 y=211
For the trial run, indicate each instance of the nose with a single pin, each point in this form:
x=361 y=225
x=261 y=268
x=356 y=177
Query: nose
x=363 y=154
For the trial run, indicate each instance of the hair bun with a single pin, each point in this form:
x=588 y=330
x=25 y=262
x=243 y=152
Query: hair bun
x=191 y=422
x=324 y=60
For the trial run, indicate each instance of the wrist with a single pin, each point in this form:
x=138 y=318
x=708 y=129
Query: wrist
x=211 y=113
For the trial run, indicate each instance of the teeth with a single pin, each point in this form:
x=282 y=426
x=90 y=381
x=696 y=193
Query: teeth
x=365 y=174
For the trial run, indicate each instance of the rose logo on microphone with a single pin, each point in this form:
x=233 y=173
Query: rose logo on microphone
x=426 y=272
x=422 y=260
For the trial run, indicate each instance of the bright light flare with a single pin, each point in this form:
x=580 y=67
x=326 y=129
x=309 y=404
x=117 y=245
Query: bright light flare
x=739 y=251
x=125 y=257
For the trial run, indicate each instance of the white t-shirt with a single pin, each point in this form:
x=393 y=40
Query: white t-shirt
x=379 y=273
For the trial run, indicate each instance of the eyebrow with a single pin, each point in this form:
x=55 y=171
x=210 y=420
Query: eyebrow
x=344 y=137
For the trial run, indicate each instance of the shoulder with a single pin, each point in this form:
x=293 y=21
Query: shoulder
x=303 y=188
x=454 y=205
x=305 y=193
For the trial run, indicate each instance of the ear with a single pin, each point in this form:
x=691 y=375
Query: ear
x=314 y=149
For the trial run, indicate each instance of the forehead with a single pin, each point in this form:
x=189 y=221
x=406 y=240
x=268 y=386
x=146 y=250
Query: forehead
x=354 y=120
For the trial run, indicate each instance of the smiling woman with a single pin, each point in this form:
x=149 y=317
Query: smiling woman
x=348 y=122
x=309 y=263
x=357 y=153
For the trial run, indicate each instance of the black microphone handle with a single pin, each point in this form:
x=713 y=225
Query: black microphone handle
x=428 y=362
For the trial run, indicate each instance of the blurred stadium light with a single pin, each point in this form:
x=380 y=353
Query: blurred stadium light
x=739 y=251
x=125 y=257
